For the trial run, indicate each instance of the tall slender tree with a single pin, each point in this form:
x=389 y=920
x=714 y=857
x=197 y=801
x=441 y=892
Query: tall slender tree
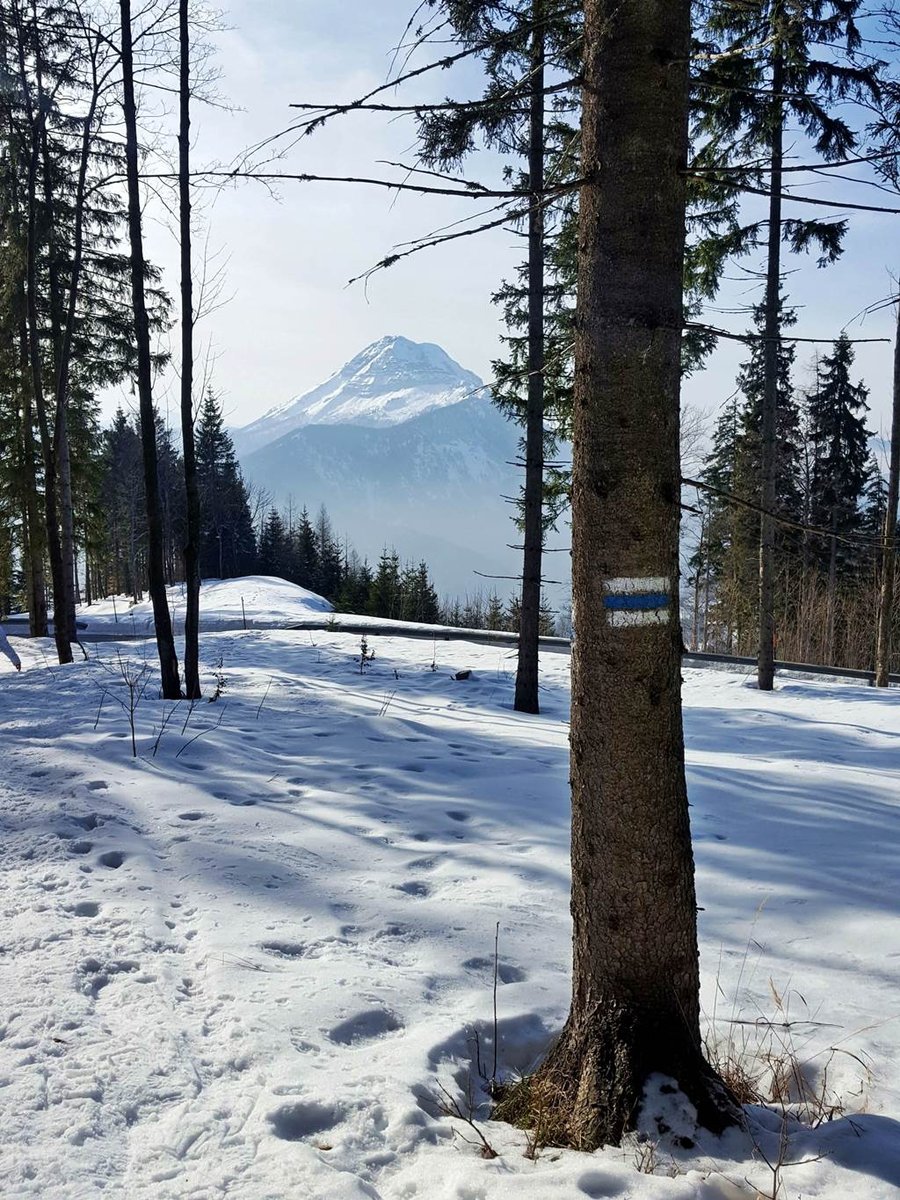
x=889 y=533
x=191 y=551
x=519 y=42
x=165 y=641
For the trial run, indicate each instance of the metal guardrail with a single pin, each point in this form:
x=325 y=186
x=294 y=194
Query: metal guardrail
x=798 y=668
x=489 y=637
x=494 y=637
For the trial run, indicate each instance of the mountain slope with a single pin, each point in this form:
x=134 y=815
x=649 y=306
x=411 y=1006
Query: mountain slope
x=388 y=383
x=434 y=486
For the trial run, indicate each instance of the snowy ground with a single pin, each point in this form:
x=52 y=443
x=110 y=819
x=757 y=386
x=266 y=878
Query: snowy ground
x=243 y=963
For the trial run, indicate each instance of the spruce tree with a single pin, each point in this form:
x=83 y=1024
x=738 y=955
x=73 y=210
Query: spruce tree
x=774 y=65
x=521 y=44
x=227 y=543
x=841 y=473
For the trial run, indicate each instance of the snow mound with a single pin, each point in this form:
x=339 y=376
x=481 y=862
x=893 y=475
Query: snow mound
x=259 y=601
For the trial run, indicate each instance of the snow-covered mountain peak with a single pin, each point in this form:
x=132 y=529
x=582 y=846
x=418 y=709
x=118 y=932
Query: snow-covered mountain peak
x=391 y=381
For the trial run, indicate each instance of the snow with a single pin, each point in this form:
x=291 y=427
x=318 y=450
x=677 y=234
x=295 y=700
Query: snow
x=389 y=382
x=244 y=963
x=260 y=600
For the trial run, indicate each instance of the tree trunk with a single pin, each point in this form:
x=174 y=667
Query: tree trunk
x=191 y=550
x=888 y=548
x=36 y=543
x=831 y=593
x=530 y=609
x=765 y=668
x=635 y=1003
x=165 y=642
x=60 y=441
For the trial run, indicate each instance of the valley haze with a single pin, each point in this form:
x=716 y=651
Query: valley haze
x=405 y=449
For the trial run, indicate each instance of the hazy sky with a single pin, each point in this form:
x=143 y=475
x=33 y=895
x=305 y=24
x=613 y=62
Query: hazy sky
x=290 y=320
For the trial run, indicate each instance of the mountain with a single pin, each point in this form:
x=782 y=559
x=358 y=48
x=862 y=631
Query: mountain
x=388 y=383
x=404 y=448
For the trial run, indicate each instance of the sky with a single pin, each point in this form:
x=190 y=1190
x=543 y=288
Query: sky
x=286 y=318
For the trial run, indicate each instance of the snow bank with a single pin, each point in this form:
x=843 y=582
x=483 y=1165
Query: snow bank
x=267 y=601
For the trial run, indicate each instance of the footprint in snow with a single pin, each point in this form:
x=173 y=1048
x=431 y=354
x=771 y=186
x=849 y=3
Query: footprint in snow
x=284 y=949
x=91 y=821
x=598 y=1185
x=506 y=972
x=84 y=908
x=301 y=1119
x=81 y=847
x=112 y=859
x=95 y=975
x=191 y=816
x=414 y=887
x=365 y=1027
x=98 y=785
x=456 y=815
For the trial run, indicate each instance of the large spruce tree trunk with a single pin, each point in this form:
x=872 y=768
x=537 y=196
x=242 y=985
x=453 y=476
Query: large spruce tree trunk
x=165 y=642
x=635 y=1002
x=526 y=699
x=60 y=450
x=765 y=667
x=191 y=549
x=888 y=548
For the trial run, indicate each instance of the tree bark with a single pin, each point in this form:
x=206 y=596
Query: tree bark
x=526 y=699
x=888 y=548
x=765 y=668
x=165 y=642
x=59 y=447
x=36 y=541
x=191 y=550
x=635 y=1003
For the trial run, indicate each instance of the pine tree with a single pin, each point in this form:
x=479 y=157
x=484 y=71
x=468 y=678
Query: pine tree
x=273 y=552
x=305 y=570
x=385 y=593
x=841 y=463
x=521 y=43
x=841 y=472
x=771 y=62
x=227 y=543
x=329 y=560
